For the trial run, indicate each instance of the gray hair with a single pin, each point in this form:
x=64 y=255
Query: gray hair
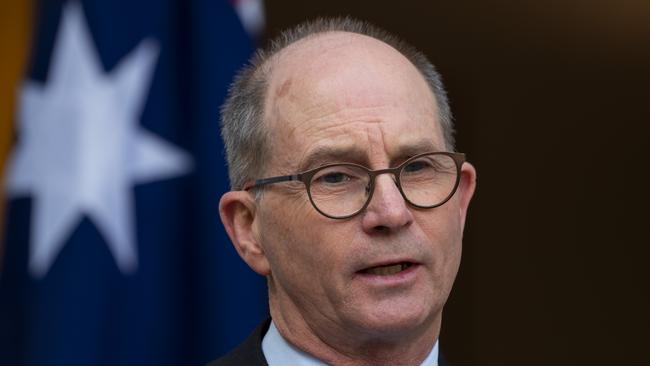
x=242 y=127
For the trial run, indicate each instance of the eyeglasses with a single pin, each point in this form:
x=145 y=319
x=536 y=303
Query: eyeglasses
x=340 y=191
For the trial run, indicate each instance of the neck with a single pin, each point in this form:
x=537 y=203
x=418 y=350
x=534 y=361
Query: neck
x=338 y=345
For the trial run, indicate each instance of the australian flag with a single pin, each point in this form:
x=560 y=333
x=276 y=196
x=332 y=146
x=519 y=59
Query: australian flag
x=114 y=253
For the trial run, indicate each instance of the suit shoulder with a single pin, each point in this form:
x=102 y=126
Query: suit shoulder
x=247 y=353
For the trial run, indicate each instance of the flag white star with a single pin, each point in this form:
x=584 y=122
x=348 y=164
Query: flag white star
x=251 y=15
x=81 y=148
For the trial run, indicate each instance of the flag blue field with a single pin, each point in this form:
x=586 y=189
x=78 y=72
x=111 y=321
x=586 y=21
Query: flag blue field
x=114 y=251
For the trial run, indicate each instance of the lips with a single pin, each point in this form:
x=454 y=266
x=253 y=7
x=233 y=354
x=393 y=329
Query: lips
x=387 y=270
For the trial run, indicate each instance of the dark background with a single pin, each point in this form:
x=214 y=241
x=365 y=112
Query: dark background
x=550 y=99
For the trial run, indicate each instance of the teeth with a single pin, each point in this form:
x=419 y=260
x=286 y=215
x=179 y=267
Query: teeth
x=388 y=270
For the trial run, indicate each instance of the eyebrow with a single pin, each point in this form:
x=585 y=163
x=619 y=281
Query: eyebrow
x=333 y=154
x=418 y=147
x=356 y=154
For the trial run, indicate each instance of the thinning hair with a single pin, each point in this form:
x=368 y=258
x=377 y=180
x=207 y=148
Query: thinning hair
x=245 y=136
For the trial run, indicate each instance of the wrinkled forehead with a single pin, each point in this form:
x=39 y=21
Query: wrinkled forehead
x=342 y=73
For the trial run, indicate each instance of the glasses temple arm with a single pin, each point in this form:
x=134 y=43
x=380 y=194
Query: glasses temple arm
x=265 y=181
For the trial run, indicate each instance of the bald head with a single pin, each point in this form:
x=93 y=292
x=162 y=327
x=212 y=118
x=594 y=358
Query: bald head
x=347 y=62
x=293 y=75
x=347 y=75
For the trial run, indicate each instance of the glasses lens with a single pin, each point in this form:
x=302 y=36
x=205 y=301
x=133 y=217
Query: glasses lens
x=339 y=190
x=429 y=180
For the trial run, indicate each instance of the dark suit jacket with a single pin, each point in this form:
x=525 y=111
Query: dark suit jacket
x=250 y=353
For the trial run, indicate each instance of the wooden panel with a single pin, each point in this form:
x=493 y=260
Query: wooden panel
x=15 y=30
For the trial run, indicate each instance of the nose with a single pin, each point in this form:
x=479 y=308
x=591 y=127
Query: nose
x=387 y=210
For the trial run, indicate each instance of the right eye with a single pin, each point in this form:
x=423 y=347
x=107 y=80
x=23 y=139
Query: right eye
x=332 y=177
x=338 y=175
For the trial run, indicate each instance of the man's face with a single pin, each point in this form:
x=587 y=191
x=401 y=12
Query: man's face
x=349 y=98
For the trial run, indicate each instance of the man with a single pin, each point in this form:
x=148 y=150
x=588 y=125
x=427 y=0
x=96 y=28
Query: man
x=359 y=259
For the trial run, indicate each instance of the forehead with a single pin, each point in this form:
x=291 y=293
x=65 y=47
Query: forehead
x=347 y=91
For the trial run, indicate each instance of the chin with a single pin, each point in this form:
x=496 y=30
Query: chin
x=399 y=320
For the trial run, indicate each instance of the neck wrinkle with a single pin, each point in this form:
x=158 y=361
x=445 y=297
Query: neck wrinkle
x=407 y=351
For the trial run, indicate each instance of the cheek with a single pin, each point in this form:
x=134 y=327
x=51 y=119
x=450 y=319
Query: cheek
x=443 y=231
x=296 y=243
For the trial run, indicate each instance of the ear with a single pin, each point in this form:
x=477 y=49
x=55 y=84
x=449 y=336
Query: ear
x=238 y=214
x=466 y=189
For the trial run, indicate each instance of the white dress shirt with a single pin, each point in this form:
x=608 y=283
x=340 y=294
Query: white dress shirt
x=279 y=352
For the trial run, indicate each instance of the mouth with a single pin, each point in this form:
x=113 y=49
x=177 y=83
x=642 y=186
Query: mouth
x=387 y=270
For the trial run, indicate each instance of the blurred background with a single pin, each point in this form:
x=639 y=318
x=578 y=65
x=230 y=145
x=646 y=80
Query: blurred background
x=550 y=100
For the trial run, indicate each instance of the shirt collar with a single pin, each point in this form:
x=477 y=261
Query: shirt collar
x=279 y=352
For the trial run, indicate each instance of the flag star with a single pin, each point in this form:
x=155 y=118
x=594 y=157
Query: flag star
x=251 y=15
x=81 y=148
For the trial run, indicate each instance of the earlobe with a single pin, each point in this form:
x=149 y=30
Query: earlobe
x=238 y=215
x=466 y=189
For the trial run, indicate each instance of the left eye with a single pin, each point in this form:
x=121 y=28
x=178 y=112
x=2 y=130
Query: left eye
x=416 y=166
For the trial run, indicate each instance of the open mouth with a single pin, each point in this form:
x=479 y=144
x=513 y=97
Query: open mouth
x=387 y=270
